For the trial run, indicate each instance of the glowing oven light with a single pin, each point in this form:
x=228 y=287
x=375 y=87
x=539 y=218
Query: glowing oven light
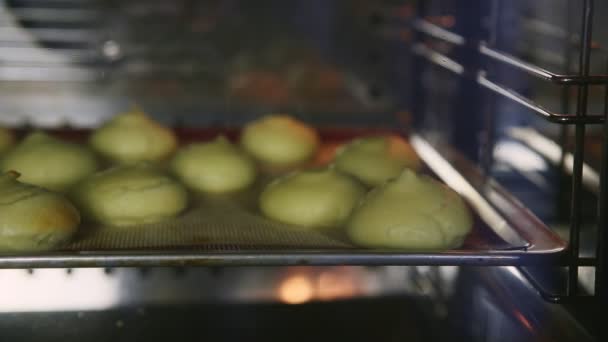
x=328 y=284
x=296 y=289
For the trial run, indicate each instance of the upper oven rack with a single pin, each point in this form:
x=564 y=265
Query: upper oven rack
x=582 y=79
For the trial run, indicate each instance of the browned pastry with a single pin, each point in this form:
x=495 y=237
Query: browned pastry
x=280 y=142
x=32 y=218
x=49 y=162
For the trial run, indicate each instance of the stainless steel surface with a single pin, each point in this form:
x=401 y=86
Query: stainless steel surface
x=225 y=232
x=469 y=303
x=27 y=291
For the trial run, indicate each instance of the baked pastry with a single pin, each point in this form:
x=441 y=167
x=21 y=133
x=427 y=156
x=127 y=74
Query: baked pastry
x=130 y=195
x=133 y=137
x=311 y=199
x=217 y=167
x=410 y=212
x=49 y=162
x=374 y=160
x=32 y=218
x=7 y=139
x=280 y=142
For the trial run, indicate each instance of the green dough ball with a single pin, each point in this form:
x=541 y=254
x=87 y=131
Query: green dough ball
x=130 y=195
x=133 y=137
x=410 y=212
x=7 y=139
x=49 y=162
x=279 y=141
x=375 y=160
x=216 y=167
x=311 y=199
x=32 y=218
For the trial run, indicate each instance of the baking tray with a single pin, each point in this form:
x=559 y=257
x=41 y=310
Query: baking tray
x=228 y=230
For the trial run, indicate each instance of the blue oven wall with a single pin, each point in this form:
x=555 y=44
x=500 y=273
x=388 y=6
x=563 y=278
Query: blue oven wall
x=457 y=111
x=454 y=110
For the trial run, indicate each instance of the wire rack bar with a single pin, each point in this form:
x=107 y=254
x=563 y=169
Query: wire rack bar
x=601 y=279
x=577 y=171
x=438 y=32
x=538 y=109
x=538 y=71
x=438 y=58
x=581 y=79
x=457 y=68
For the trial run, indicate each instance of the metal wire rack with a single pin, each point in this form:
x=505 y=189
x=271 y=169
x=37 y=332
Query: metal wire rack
x=429 y=44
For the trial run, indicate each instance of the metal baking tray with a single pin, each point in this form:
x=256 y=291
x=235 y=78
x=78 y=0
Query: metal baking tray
x=229 y=230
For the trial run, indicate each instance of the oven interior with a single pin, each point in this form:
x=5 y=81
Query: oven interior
x=517 y=88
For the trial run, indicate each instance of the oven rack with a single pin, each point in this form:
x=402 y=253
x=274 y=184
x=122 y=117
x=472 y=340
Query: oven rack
x=581 y=79
x=228 y=231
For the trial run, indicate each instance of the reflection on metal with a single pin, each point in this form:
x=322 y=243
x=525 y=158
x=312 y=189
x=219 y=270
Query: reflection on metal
x=35 y=55
x=438 y=58
x=586 y=278
x=23 y=58
x=553 y=152
x=543 y=27
x=55 y=290
x=515 y=273
x=455 y=180
x=545 y=113
x=112 y=50
x=438 y=32
x=49 y=74
x=15 y=34
x=56 y=15
x=504 y=296
x=519 y=156
x=553 y=31
x=323 y=284
x=537 y=71
x=335 y=284
x=522 y=159
x=43 y=290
